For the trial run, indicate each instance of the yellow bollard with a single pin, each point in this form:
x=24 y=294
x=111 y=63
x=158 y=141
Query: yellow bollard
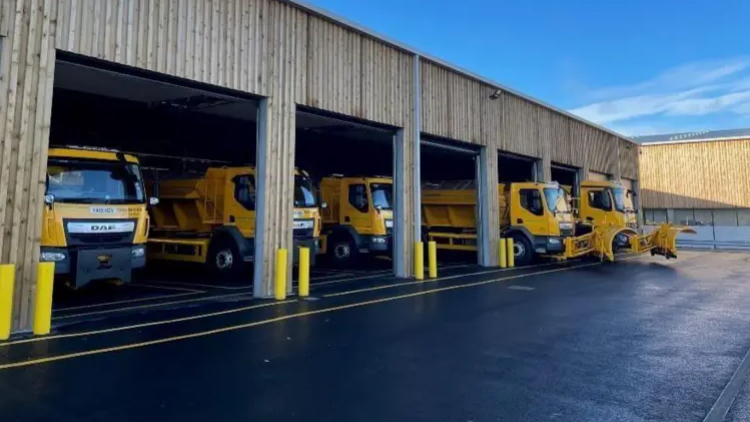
x=45 y=281
x=280 y=285
x=304 y=272
x=419 y=261
x=511 y=254
x=7 y=278
x=503 y=254
x=432 y=258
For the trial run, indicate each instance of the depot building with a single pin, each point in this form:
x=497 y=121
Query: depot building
x=277 y=85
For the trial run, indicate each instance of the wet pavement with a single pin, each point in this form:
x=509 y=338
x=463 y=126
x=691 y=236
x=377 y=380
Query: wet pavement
x=640 y=340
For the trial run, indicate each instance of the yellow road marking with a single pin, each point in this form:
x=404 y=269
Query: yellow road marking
x=152 y=305
x=411 y=283
x=272 y=320
x=146 y=324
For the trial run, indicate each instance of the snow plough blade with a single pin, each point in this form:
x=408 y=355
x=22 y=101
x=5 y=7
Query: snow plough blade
x=662 y=241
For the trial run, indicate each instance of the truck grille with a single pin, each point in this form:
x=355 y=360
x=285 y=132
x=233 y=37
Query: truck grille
x=303 y=233
x=566 y=232
x=100 y=239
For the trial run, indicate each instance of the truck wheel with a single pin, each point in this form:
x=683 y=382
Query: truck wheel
x=343 y=252
x=224 y=259
x=522 y=250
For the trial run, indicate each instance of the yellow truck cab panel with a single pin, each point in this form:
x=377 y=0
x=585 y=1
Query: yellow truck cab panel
x=358 y=217
x=607 y=202
x=95 y=222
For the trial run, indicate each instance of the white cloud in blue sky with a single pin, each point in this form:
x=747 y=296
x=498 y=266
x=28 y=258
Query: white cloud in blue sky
x=694 y=96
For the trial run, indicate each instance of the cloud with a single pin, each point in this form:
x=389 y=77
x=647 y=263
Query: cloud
x=695 y=89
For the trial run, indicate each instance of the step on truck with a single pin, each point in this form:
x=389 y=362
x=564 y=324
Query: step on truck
x=211 y=219
x=536 y=215
x=95 y=222
x=357 y=217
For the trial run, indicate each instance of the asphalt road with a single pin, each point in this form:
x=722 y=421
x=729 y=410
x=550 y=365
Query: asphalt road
x=642 y=340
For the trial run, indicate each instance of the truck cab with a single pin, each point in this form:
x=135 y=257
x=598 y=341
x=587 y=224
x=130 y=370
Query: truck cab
x=357 y=218
x=538 y=219
x=606 y=203
x=95 y=223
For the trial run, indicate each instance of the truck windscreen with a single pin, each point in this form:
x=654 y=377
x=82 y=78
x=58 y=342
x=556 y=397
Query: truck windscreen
x=621 y=202
x=556 y=200
x=382 y=195
x=304 y=197
x=91 y=182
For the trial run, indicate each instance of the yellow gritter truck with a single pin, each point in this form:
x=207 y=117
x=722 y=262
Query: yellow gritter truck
x=95 y=223
x=536 y=215
x=357 y=217
x=608 y=222
x=211 y=220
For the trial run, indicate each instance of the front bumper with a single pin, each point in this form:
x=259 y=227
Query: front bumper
x=310 y=243
x=549 y=244
x=376 y=245
x=86 y=265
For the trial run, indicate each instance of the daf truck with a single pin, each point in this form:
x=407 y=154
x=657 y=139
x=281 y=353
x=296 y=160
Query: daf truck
x=536 y=215
x=357 y=217
x=95 y=221
x=211 y=219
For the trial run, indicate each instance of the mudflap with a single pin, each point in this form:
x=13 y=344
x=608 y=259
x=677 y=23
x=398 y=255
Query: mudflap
x=605 y=240
x=663 y=241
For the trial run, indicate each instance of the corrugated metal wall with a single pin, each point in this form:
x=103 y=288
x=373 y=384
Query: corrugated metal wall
x=696 y=175
x=264 y=47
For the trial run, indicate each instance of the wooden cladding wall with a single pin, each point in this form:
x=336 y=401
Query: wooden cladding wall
x=457 y=107
x=696 y=175
x=628 y=159
x=27 y=62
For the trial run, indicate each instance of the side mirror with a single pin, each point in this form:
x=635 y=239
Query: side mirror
x=49 y=199
x=153 y=201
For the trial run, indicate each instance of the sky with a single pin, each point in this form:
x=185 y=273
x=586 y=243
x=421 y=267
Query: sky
x=639 y=67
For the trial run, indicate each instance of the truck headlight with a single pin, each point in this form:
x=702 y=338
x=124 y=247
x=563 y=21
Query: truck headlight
x=138 y=252
x=52 y=256
x=553 y=241
x=378 y=240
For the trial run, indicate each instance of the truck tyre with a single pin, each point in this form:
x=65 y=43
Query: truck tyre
x=522 y=250
x=343 y=251
x=224 y=258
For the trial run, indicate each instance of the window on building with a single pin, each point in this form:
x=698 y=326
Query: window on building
x=704 y=217
x=244 y=191
x=743 y=217
x=654 y=216
x=684 y=217
x=358 y=197
x=531 y=200
x=726 y=218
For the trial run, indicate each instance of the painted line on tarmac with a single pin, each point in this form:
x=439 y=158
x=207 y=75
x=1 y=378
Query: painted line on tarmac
x=40 y=361
x=720 y=409
x=145 y=324
x=412 y=283
x=212 y=286
x=314 y=284
x=331 y=277
x=151 y=305
x=120 y=302
x=155 y=323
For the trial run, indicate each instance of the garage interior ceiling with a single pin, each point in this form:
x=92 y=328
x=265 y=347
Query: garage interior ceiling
x=107 y=83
